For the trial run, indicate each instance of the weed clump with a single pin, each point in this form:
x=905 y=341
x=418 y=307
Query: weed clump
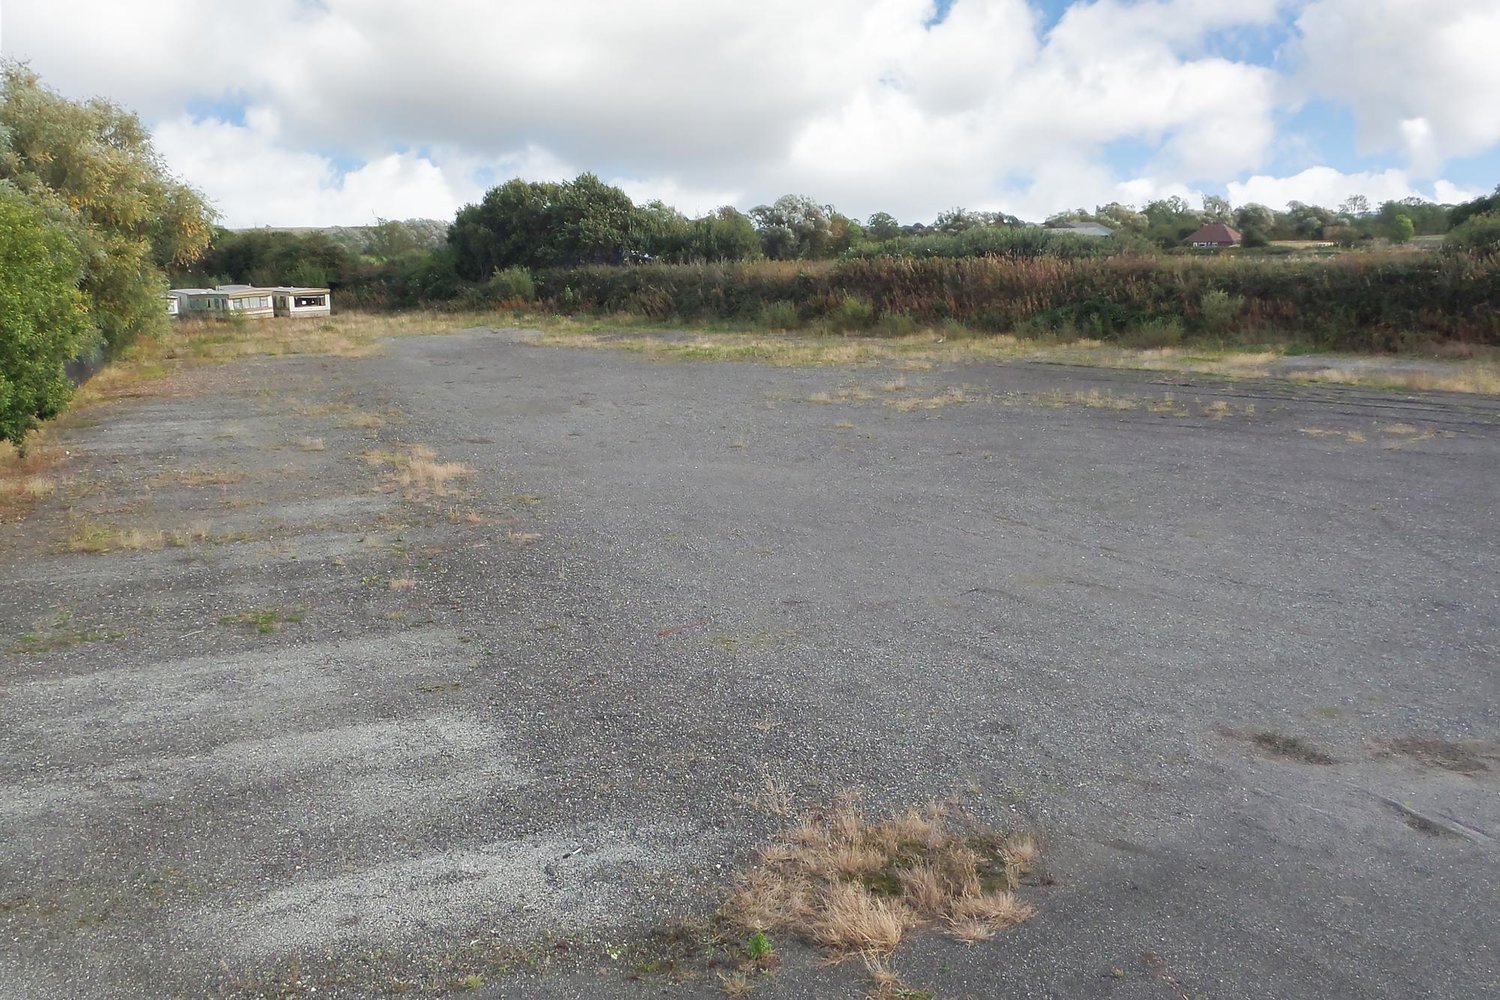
x=852 y=885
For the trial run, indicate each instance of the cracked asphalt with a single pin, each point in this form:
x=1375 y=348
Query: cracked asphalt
x=484 y=742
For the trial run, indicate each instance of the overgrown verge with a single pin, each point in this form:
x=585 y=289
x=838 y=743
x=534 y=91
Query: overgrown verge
x=1366 y=303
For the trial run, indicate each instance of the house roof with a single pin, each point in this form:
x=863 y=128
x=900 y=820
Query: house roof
x=1216 y=232
x=299 y=290
x=1086 y=229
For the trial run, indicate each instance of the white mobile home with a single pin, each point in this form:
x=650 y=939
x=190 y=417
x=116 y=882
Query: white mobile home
x=186 y=302
x=247 y=301
x=303 y=301
x=224 y=301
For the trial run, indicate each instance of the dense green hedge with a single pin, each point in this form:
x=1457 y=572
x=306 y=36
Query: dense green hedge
x=43 y=318
x=1355 y=302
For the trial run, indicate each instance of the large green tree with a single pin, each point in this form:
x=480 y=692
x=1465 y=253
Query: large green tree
x=43 y=318
x=541 y=224
x=794 y=227
x=90 y=167
x=274 y=257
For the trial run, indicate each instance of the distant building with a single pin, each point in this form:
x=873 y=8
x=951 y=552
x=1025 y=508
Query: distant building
x=1090 y=229
x=303 y=301
x=222 y=302
x=1215 y=235
x=188 y=301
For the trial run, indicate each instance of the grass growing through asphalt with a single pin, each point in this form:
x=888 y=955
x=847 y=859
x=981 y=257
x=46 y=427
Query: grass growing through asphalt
x=64 y=632
x=855 y=885
x=417 y=471
x=97 y=538
x=263 y=620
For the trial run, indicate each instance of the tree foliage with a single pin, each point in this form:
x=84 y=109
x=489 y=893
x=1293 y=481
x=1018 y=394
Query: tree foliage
x=1477 y=236
x=91 y=168
x=271 y=257
x=794 y=227
x=540 y=224
x=43 y=319
x=1482 y=205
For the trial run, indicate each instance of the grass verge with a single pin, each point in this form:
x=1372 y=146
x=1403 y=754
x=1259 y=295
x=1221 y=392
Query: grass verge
x=924 y=349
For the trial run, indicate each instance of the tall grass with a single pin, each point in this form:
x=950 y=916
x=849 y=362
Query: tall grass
x=1355 y=302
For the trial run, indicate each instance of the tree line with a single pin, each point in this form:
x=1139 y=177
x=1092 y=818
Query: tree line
x=90 y=220
x=522 y=227
x=92 y=224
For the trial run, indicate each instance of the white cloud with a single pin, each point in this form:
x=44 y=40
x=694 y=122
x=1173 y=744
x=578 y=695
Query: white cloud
x=857 y=102
x=1329 y=187
x=255 y=181
x=1421 y=76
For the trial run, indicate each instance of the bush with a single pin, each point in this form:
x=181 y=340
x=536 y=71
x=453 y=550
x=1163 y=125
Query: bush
x=780 y=315
x=852 y=313
x=1479 y=236
x=1220 y=310
x=43 y=317
x=511 y=285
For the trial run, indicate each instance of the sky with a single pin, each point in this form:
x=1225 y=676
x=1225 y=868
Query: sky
x=340 y=112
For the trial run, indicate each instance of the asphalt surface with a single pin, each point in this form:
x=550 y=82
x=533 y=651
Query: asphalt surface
x=504 y=733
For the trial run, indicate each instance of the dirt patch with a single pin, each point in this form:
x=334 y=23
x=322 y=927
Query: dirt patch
x=1285 y=746
x=1459 y=758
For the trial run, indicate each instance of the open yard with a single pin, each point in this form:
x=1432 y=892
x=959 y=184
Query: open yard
x=486 y=663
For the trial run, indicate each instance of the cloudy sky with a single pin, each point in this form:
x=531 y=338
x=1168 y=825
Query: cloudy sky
x=322 y=112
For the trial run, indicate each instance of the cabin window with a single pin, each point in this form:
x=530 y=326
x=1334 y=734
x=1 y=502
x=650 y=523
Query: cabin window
x=303 y=301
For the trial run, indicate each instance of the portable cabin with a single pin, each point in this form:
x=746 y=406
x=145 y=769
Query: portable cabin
x=185 y=302
x=303 y=301
x=245 y=300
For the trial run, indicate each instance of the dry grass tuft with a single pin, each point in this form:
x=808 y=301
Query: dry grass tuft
x=851 y=885
x=854 y=919
x=363 y=421
x=417 y=472
x=775 y=798
x=96 y=539
x=913 y=403
x=1093 y=399
x=26 y=479
x=735 y=984
x=1023 y=851
x=195 y=478
x=1353 y=437
x=970 y=931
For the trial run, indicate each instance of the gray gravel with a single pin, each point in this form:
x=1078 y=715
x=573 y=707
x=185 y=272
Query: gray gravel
x=1074 y=598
